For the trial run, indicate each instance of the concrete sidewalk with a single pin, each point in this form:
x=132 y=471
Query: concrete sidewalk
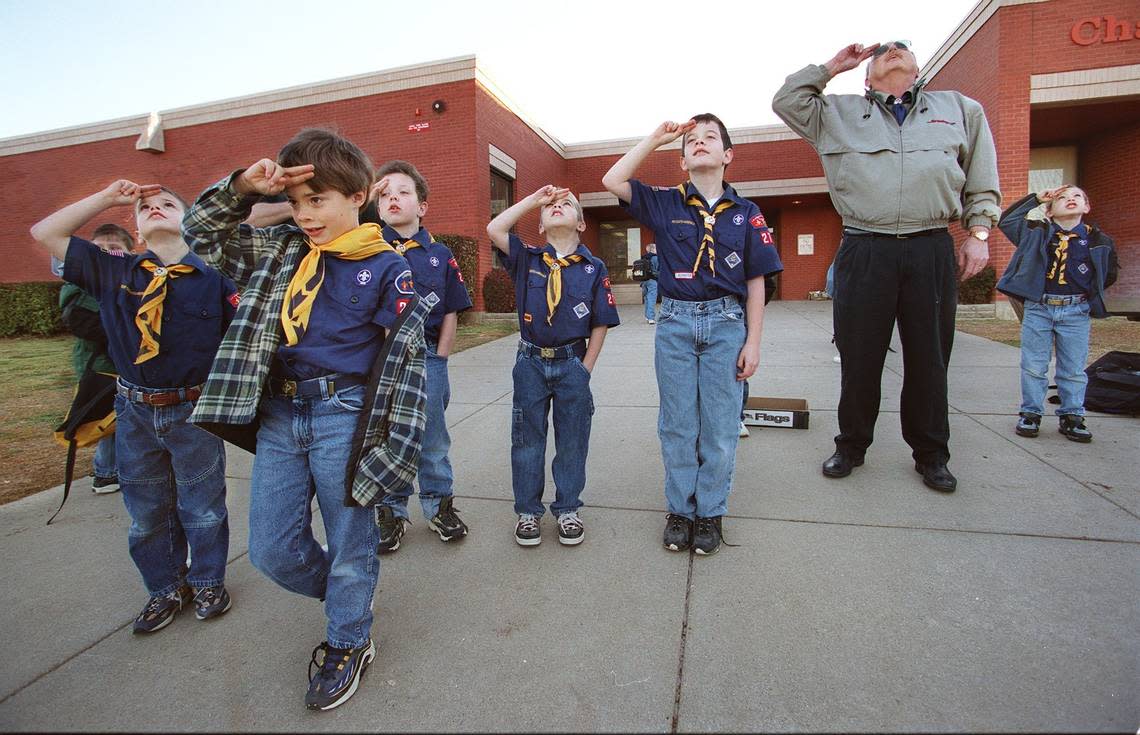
x=869 y=603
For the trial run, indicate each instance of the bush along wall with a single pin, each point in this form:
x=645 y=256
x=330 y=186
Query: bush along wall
x=466 y=252
x=978 y=289
x=498 y=292
x=29 y=309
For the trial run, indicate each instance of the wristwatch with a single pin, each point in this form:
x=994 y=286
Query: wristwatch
x=982 y=235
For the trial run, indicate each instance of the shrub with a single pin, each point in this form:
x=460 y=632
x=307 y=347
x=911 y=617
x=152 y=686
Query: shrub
x=978 y=289
x=467 y=255
x=29 y=308
x=498 y=292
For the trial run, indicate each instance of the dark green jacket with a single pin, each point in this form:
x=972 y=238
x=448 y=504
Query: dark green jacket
x=80 y=314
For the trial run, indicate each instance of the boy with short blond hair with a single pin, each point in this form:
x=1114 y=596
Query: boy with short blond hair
x=321 y=374
x=565 y=308
x=164 y=312
x=401 y=197
x=715 y=249
x=1060 y=270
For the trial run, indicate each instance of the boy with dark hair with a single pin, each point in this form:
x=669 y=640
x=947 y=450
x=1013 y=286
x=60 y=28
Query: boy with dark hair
x=563 y=296
x=322 y=373
x=1060 y=270
x=401 y=195
x=164 y=313
x=79 y=312
x=715 y=250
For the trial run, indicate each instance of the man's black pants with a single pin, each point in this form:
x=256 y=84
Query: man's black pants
x=880 y=279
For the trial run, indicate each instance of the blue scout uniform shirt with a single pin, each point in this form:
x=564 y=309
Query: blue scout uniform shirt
x=587 y=301
x=437 y=277
x=196 y=311
x=745 y=248
x=1071 y=271
x=357 y=302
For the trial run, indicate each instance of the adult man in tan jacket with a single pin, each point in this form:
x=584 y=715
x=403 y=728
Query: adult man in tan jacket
x=901 y=163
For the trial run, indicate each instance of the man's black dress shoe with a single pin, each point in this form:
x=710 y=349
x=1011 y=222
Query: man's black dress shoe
x=840 y=465
x=936 y=476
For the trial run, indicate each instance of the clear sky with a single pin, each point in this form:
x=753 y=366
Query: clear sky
x=581 y=70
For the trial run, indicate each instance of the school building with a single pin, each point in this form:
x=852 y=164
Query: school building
x=1059 y=80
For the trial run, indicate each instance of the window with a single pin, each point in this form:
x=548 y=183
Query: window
x=502 y=197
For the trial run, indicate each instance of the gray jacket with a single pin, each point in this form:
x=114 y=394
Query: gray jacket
x=939 y=165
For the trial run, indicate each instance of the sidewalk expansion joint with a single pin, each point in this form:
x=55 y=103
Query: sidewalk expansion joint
x=675 y=722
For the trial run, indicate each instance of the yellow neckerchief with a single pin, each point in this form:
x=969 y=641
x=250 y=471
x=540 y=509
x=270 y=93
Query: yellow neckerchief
x=1058 y=269
x=356 y=244
x=149 y=316
x=554 y=280
x=707 y=241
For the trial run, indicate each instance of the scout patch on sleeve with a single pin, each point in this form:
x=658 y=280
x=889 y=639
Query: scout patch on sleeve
x=758 y=221
x=610 y=299
x=733 y=260
x=404 y=283
x=234 y=298
x=528 y=318
x=401 y=304
x=606 y=282
x=458 y=273
x=581 y=309
x=766 y=238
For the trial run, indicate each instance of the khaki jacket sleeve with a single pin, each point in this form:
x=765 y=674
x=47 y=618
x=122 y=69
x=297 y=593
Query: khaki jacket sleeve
x=800 y=102
x=981 y=194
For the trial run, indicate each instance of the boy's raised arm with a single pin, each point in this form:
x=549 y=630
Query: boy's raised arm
x=213 y=229
x=499 y=229
x=617 y=178
x=54 y=231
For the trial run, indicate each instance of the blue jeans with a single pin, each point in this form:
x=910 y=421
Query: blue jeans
x=173 y=480
x=1067 y=327
x=303 y=448
x=697 y=345
x=649 y=293
x=434 y=475
x=105 y=457
x=538 y=383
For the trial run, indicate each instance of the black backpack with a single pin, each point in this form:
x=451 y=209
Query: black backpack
x=642 y=270
x=1114 y=384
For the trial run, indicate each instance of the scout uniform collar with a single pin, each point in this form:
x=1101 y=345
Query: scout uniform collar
x=556 y=265
x=402 y=244
x=707 y=216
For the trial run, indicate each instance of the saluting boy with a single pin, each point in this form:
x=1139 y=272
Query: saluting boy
x=565 y=307
x=401 y=194
x=164 y=312
x=715 y=249
x=325 y=362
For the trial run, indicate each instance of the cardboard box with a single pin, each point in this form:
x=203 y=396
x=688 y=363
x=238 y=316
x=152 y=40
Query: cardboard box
x=781 y=413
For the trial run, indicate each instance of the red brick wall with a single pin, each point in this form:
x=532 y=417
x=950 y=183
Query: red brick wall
x=1108 y=166
x=803 y=273
x=37 y=183
x=538 y=165
x=995 y=68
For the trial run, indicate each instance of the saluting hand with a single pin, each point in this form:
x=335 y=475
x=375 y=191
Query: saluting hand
x=850 y=57
x=548 y=194
x=269 y=177
x=123 y=192
x=1050 y=194
x=669 y=131
x=379 y=190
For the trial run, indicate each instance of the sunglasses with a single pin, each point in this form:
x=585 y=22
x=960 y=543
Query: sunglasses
x=888 y=45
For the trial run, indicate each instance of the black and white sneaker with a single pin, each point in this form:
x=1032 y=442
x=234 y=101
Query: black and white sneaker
x=338 y=674
x=571 y=530
x=391 y=529
x=1073 y=428
x=527 y=530
x=104 y=485
x=678 y=532
x=706 y=539
x=446 y=522
x=1028 y=424
x=210 y=602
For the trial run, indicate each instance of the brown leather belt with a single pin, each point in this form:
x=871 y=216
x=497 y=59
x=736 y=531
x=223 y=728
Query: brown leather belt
x=164 y=398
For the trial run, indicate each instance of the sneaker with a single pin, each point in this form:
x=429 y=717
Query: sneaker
x=527 y=530
x=1028 y=424
x=391 y=529
x=338 y=674
x=104 y=485
x=210 y=602
x=678 y=532
x=571 y=530
x=744 y=432
x=159 y=611
x=1073 y=428
x=446 y=522
x=706 y=540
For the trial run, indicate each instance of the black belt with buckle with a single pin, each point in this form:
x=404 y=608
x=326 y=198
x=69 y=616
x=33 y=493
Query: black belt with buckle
x=564 y=352
x=321 y=387
x=1077 y=298
x=856 y=232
